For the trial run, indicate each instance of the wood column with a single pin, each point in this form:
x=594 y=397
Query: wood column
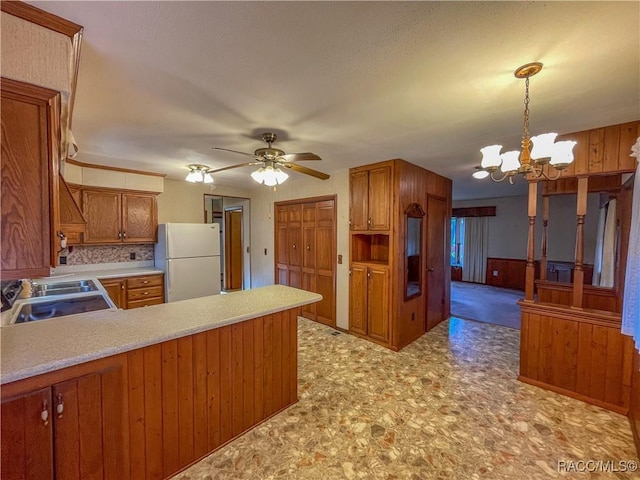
x=545 y=237
x=531 y=271
x=578 y=270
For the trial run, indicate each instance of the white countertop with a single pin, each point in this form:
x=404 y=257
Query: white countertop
x=103 y=273
x=34 y=348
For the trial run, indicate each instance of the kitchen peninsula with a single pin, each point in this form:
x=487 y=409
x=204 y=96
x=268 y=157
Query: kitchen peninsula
x=144 y=393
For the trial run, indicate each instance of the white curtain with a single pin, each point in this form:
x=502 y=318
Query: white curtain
x=597 y=260
x=476 y=247
x=609 y=247
x=631 y=301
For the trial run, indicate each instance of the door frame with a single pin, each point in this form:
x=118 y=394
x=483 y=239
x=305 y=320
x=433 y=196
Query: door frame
x=236 y=208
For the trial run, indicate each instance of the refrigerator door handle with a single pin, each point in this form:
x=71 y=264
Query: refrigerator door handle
x=168 y=278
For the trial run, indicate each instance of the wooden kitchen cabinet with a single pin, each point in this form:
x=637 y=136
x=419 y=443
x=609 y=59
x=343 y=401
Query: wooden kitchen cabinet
x=29 y=173
x=76 y=426
x=135 y=292
x=114 y=216
x=369 y=305
x=370 y=194
x=116 y=289
x=383 y=195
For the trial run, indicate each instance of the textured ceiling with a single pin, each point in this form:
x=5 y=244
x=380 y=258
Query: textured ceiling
x=355 y=82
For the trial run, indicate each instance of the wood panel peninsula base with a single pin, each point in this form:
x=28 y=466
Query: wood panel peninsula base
x=151 y=410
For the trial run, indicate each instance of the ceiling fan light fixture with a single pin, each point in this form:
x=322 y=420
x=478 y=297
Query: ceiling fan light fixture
x=269 y=176
x=199 y=174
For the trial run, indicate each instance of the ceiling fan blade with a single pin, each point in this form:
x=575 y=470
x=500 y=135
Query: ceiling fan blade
x=234 y=166
x=234 y=151
x=297 y=157
x=305 y=170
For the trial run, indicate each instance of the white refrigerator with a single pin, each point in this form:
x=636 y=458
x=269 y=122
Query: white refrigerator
x=189 y=255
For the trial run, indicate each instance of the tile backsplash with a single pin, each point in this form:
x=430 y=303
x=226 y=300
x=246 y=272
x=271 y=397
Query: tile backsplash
x=91 y=254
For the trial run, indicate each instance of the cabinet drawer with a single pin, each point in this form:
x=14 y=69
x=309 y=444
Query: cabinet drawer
x=145 y=281
x=142 y=293
x=145 y=302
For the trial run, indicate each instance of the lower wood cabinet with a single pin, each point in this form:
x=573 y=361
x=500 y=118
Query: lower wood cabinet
x=369 y=301
x=135 y=292
x=76 y=427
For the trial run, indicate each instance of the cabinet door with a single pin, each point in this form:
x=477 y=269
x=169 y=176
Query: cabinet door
x=358 y=299
x=27 y=440
x=294 y=245
x=101 y=208
x=309 y=284
x=139 y=218
x=359 y=200
x=116 y=290
x=90 y=427
x=26 y=184
x=378 y=303
x=379 y=198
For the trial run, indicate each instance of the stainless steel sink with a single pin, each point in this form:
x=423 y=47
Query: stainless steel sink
x=63 y=288
x=42 y=310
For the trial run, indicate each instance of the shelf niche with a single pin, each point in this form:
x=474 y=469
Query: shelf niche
x=370 y=248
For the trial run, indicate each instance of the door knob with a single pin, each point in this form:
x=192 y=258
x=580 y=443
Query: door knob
x=429 y=269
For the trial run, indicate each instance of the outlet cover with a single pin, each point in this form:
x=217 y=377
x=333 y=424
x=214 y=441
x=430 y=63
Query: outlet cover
x=495 y=273
x=63 y=260
x=132 y=256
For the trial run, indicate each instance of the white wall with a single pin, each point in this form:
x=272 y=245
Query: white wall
x=183 y=202
x=508 y=230
x=262 y=231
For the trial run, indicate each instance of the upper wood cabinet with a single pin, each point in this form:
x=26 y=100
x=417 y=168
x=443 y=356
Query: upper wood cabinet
x=28 y=172
x=119 y=217
x=370 y=195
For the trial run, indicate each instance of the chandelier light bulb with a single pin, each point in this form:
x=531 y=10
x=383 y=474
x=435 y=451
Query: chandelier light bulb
x=543 y=145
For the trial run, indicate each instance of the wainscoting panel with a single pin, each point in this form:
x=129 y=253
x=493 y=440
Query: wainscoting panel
x=577 y=353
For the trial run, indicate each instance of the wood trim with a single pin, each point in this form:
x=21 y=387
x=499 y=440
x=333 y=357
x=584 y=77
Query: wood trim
x=115 y=169
x=109 y=189
x=572 y=394
x=40 y=17
x=584 y=315
x=27 y=89
x=297 y=201
x=474 y=212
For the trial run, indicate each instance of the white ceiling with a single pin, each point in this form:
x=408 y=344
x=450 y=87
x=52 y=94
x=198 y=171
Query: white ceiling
x=161 y=83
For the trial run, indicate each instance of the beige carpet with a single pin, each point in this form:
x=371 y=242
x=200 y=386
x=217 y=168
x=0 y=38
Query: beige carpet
x=447 y=406
x=484 y=303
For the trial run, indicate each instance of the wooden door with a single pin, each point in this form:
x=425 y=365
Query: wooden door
x=102 y=209
x=90 y=429
x=436 y=254
x=28 y=171
x=282 y=252
x=358 y=299
x=378 y=303
x=325 y=258
x=139 y=218
x=380 y=198
x=115 y=288
x=294 y=245
x=309 y=256
x=359 y=200
x=27 y=439
x=233 y=265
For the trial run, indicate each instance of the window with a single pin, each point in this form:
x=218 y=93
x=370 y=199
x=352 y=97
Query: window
x=457 y=240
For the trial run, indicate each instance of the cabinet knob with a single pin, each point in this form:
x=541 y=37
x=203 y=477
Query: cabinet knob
x=294 y=246
x=122 y=286
x=124 y=234
x=44 y=414
x=369 y=221
x=429 y=269
x=368 y=274
x=120 y=235
x=308 y=247
x=145 y=293
x=145 y=282
x=60 y=406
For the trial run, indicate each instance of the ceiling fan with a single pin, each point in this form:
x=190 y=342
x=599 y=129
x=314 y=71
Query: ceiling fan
x=273 y=162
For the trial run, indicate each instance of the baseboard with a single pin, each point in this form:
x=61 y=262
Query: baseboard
x=577 y=396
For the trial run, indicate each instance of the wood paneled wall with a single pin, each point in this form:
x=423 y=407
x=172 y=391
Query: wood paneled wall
x=509 y=272
x=580 y=354
x=188 y=397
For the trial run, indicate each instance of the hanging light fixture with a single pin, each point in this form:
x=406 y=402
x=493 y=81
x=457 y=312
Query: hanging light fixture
x=270 y=175
x=529 y=161
x=199 y=174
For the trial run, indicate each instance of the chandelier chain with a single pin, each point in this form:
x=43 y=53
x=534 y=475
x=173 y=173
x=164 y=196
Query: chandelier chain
x=526 y=108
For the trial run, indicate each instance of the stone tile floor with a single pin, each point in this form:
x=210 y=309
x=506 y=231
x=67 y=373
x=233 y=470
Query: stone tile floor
x=447 y=406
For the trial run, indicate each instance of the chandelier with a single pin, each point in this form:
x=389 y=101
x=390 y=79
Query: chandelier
x=199 y=174
x=531 y=160
x=269 y=174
